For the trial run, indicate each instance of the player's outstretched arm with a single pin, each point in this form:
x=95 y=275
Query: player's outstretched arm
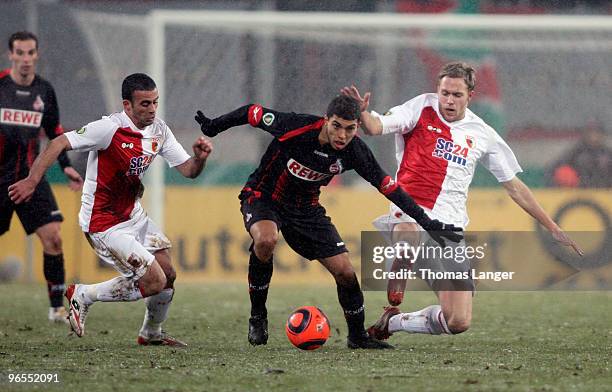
x=22 y=190
x=370 y=124
x=281 y=125
x=192 y=168
x=522 y=195
x=212 y=127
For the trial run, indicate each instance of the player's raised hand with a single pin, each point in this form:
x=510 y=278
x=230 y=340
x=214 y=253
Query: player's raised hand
x=202 y=148
x=564 y=239
x=75 y=181
x=22 y=191
x=441 y=231
x=206 y=124
x=353 y=92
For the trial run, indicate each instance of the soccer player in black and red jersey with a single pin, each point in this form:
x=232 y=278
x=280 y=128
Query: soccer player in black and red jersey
x=27 y=105
x=283 y=194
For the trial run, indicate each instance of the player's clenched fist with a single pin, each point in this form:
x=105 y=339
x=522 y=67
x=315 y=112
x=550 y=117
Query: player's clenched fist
x=22 y=190
x=202 y=148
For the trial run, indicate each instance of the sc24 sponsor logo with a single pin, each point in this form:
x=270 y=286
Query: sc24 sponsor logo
x=139 y=165
x=449 y=151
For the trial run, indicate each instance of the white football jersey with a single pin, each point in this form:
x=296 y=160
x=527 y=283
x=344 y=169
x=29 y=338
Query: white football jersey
x=119 y=154
x=437 y=159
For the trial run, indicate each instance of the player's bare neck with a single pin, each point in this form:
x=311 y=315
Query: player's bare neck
x=136 y=123
x=22 y=80
x=323 y=139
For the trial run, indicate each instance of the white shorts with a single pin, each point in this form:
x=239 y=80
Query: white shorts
x=129 y=246
x=386 y=223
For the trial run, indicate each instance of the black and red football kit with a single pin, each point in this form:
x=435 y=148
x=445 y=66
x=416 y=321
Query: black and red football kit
x=285 y=188
x=24 y=111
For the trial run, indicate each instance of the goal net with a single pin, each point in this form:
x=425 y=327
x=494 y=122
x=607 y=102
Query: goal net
x=536 y=75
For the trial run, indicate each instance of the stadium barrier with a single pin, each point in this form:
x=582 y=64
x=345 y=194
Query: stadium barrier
x=210 y=243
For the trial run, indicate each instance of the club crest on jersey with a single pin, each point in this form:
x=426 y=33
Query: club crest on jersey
x=139 y=165
x=305 y=173
x=38 y=104
x=155 y=144
x=336 y=167
x=450 y=151
x=470 y=141
x=152 y=145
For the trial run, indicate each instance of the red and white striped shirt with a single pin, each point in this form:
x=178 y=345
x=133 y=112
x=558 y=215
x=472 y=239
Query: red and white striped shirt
x=437 y=159
x=119 y=154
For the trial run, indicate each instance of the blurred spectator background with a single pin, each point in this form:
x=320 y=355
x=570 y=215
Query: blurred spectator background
x=588 y=164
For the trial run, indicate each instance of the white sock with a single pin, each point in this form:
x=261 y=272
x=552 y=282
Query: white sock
x=119 y=289
x=427 y=321
x=157 y=312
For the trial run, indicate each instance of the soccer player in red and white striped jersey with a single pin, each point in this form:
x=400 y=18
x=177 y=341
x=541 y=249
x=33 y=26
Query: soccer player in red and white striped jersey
x=439 y=142
x=121 y=148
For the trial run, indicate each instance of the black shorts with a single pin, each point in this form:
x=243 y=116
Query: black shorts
x=40 y=210
x=311 y=234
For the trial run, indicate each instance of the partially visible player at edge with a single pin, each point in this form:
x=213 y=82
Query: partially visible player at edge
x=121 y=148
x=283 y=193
x=28 y=103
x=422 y=126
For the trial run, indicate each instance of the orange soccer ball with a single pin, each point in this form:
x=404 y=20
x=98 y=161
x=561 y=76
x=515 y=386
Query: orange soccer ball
x=307 y=328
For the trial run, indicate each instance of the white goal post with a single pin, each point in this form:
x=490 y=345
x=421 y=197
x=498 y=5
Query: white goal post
x=537 y=45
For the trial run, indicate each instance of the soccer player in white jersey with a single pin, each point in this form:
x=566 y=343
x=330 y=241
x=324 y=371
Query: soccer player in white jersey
x=438 y=142
x=121 y=148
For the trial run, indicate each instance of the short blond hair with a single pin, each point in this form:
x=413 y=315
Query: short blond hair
x=459 y=70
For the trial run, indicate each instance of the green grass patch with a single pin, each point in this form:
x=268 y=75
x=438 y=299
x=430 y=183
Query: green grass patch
x=546 y=341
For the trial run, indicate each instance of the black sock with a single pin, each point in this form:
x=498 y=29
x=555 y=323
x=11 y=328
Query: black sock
x=351 y=300
x=260 y=274
x=53 y=267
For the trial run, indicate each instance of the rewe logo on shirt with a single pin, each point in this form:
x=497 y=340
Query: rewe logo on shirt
x=449 y=151
x=24 y=118
x=303 y=172
x=139 y=165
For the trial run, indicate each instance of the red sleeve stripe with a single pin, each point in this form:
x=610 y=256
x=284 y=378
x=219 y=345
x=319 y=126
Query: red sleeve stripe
x=31 y=153
x=387 y=185
x=304 y=129
x=255 y=114
x=59 y=129
x=5 y=72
